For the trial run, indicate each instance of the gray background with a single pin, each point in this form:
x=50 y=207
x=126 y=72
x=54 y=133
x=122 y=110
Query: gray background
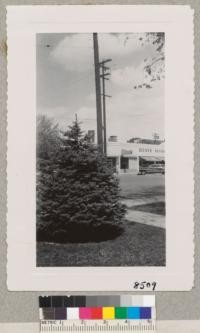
x=23 y=306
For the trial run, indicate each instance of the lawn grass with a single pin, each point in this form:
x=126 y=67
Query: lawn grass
x=155 y=208
x=139 y=245
x=142 y=187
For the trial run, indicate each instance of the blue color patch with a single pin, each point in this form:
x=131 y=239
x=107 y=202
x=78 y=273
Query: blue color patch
x=145 y=313
x=133 y=313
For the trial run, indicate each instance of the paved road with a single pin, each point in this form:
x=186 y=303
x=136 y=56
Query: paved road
x=143 y=187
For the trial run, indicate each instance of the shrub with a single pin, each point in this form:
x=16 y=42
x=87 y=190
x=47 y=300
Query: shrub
x=77 y=194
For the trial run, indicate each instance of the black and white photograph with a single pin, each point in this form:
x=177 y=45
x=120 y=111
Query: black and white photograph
x=100 y=149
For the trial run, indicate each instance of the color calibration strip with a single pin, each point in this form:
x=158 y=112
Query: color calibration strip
x=96 y=307
x=91 y=314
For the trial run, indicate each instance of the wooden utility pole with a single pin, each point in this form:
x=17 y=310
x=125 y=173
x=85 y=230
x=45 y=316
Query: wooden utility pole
x=104 y=112
x=98 y=93
x=104 y=77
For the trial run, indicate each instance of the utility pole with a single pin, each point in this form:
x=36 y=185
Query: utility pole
x=98 y=93
x=104 y=77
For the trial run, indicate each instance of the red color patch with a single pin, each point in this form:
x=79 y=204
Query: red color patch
x=96 y=313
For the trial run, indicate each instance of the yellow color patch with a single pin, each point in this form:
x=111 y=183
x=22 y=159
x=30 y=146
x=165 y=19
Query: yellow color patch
x=108 y=313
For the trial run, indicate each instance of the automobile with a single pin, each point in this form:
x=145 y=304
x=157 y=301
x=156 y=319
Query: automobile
x=152 y=168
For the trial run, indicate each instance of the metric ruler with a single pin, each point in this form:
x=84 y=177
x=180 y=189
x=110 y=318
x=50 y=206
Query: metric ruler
x=93 y=326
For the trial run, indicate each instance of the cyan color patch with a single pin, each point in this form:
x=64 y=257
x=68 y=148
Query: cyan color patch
x=133 y=313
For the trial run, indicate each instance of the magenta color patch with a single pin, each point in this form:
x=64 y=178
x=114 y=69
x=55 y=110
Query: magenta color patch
x=84 y=313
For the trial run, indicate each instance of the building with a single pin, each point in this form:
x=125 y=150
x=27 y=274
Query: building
x=155 y=141
x=128 y=157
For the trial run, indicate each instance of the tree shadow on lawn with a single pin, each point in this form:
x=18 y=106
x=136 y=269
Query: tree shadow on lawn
x=138 y=245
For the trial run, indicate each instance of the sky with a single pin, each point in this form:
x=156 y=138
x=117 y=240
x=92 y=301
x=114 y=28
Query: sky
x=66 y=83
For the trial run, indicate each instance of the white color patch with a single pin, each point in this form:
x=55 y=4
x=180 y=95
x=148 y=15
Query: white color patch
x=149 y=300
x=72 y=313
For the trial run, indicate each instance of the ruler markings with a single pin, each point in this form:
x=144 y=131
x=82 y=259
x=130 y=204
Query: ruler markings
x=77 y=327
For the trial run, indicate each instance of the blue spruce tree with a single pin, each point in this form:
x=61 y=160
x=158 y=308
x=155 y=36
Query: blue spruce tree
x=78 y=195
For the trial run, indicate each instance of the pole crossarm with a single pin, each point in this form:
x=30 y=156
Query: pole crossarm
x=106 y=95
x=104 y=61
x=103 y=75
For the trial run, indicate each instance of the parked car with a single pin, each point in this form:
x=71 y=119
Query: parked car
x=152 y=168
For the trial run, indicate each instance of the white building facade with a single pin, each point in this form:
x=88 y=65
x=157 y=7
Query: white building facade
x=129 y=157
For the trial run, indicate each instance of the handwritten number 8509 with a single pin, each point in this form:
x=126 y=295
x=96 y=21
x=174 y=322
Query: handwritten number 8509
x=144 y=285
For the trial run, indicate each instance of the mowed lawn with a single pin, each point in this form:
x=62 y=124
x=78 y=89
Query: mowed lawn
x=138 y=245
x=142 y=187
x=154 y=208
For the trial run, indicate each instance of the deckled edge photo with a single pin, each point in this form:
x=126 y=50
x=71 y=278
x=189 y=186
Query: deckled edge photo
x=22 y=271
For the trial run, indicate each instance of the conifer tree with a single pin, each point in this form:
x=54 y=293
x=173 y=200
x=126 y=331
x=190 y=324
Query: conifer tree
x=78 y=193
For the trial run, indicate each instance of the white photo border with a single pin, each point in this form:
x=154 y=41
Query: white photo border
x=23 y=22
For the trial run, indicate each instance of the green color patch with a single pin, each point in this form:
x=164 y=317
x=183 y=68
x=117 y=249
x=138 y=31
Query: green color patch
x=120 y=313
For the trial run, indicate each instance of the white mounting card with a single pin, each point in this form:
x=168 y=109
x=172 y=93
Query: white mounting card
x=147 y=238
